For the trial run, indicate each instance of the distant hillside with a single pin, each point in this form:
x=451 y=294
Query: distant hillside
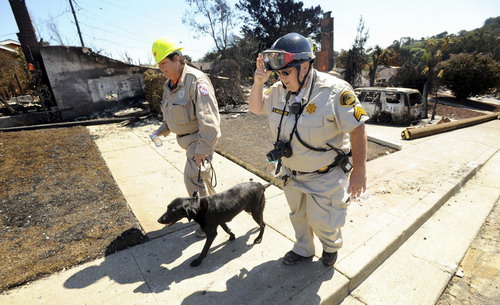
x=485 y=39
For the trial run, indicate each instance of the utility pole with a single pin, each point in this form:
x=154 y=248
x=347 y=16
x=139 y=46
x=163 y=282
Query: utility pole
x=76 y=21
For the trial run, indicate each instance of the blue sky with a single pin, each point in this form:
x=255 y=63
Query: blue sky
x=131 y=26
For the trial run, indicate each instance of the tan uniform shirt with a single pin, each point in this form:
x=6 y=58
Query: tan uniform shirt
x=330 y=112
x=190 y=110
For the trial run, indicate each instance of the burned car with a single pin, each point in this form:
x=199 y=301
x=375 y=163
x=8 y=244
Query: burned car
x=391 y=105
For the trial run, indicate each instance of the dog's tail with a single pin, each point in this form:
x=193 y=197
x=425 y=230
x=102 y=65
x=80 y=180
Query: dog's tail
x=267 y=185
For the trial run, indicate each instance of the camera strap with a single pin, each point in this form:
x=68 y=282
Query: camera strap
x=294 y=129
x=278 y=165
x=296 y=132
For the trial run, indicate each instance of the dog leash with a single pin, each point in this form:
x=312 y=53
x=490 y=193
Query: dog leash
x=213 y=176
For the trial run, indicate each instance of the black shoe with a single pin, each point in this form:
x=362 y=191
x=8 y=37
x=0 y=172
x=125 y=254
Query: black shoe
x=291 y=258
x=329 y=258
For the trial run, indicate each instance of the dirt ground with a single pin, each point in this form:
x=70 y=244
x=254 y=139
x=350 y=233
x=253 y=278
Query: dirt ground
x=59 y=204
x=478 y=282
x=60 y=207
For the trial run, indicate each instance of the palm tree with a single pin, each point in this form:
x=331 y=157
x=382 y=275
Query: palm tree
x=433 y=54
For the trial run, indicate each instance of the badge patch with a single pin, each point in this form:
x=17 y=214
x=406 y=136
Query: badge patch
x=311 y=108
x=203 y=88
x=359 y=112
x=181 y=93
x=347 y=99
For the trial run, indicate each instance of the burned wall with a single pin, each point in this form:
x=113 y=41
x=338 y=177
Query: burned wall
x=85 y=83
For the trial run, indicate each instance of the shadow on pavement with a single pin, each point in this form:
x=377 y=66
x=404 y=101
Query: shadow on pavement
x=117 y=267
x=218 y=256
x=269 y=283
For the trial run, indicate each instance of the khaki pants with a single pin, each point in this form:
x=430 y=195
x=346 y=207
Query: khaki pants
x=191 y=172
x=318 y=207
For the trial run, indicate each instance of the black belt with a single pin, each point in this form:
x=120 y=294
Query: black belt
x=322 y=170
x=186 y=134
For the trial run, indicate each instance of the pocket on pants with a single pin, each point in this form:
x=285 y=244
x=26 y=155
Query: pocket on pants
x=338 y=213
x=326 y=214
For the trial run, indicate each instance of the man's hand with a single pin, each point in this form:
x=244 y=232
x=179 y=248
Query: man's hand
x=199 y=159
x=261 y=75
x=357 y=182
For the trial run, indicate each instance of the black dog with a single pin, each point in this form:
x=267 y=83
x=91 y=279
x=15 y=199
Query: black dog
x=212 y=211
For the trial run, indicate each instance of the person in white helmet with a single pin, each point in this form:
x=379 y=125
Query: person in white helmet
x=315 y=120
x=190 y=110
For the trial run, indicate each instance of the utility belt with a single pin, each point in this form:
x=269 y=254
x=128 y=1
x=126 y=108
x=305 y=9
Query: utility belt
x=186 y=134
x=325 y=169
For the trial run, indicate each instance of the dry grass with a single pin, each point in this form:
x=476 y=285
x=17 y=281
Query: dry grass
x=59 y=204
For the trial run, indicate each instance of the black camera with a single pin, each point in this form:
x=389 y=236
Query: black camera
x=281 y=149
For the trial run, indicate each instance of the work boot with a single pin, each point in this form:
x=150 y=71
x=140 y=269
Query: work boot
x=291 y=258
x=329 y=258
x=199 y=232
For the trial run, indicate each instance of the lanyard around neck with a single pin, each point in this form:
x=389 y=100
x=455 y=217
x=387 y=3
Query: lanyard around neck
x=313 y=80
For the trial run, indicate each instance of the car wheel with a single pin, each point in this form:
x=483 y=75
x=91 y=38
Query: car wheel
x=384 y=118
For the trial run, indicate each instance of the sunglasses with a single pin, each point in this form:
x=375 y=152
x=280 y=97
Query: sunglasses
x=284 y=73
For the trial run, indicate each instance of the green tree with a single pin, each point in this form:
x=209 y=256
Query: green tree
x=470 y=74
x=356 y=57
x=376 y=58
x=266 y=21
x=408 y=76
x=482 y=40
x=433 y=54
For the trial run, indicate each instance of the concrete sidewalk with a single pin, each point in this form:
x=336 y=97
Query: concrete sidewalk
x=406 y=188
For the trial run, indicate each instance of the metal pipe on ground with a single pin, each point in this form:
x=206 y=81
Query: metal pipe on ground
x=123 y=120
x=415 y=133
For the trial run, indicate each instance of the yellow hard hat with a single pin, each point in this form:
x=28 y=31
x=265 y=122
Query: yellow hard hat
x=162 y=47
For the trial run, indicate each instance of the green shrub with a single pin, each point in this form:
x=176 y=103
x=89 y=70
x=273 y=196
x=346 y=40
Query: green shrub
x=154 y=82
x=470 y=74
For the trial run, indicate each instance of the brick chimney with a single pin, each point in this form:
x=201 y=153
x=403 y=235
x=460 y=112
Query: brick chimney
x=324 y=58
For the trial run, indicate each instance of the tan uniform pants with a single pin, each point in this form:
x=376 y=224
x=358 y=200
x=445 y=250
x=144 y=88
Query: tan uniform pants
x=317 y=207
x=191 y=172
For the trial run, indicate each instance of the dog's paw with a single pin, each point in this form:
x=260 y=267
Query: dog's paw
x=196 y=262
x=232 y=237
x=257 y=241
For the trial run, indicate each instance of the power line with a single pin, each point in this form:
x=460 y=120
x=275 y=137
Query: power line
x=50 y=19
x=96 y=18
x=3 y=35
x=147 y=20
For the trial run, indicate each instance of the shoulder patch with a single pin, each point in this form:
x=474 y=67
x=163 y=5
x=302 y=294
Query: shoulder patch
x=203 y=88
x=347 y=98
x=359 y=112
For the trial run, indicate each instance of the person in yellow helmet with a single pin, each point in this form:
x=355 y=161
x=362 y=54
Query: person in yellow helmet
x=190 y=110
